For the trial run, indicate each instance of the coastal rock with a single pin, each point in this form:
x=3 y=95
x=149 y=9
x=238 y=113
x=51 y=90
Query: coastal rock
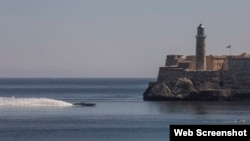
x=157 y=92
x=179 y=89
x=183 y=86
x=184 y=89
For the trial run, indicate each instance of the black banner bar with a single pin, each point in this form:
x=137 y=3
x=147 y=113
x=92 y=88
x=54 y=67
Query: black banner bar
x=198 y=132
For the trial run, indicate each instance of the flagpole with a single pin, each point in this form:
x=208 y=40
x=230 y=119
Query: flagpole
x=230 y=53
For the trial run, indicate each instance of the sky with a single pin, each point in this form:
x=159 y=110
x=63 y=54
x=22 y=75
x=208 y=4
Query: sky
x=113 y=38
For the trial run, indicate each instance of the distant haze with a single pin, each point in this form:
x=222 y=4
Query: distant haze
x=113 y=38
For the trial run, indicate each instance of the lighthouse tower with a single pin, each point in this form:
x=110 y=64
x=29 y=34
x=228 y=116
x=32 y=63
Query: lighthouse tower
x=200 y=48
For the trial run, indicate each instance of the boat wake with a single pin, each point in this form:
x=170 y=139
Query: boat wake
x=32 y=102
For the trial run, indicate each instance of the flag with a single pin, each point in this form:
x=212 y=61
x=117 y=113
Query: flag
x=229 y=46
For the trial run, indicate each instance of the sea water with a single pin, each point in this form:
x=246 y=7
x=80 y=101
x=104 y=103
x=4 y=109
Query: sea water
x=42 y=109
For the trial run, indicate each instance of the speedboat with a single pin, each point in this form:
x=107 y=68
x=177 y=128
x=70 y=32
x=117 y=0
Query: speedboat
x=84 y=104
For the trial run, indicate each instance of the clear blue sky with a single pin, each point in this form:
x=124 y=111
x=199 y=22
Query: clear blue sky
x=113 y=38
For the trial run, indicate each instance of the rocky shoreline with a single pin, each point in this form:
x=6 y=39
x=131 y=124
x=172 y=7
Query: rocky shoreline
x=183 y=89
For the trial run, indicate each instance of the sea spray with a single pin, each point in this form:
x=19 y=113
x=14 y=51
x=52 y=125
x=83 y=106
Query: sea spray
x=12 y=101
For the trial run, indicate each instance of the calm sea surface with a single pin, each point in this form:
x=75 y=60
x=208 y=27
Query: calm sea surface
x=42 y=110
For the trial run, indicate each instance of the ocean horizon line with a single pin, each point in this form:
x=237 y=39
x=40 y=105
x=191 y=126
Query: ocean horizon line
x=78 y=78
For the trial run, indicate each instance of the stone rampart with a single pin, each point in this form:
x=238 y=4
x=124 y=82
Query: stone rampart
x=238 y=64
x=200 y=79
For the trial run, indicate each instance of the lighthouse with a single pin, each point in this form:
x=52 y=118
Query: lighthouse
x=200 y=48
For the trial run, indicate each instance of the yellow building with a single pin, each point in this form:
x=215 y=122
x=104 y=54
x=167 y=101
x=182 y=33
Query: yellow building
x=215 y=63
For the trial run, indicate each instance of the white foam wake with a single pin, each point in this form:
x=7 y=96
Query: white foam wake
x=12 y=101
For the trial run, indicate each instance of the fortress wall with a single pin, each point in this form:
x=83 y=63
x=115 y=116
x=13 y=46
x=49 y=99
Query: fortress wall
x=201 y=79
x=236 y=77
x=238 y=64
x=169 y=74
x=208 y=79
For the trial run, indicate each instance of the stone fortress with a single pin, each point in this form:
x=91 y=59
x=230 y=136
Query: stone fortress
x=202 y=77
